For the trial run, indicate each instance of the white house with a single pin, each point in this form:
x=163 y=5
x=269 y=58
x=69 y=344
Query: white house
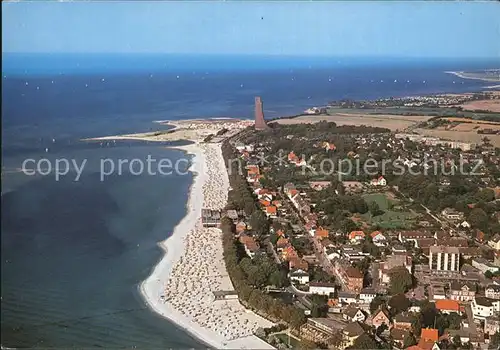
x=249 y=148
x=379 y=239
x=299 y=276
x=415 y=309
x=242 y=147
x=452 y=214
x=464 y=224
x=367 y=295
x=463 y=334
x=347 y=297
x=484 y=307
x=493 y=291
x=353 y=314
x=380 y=181
x=321 y=288
x=494 y=242
x=332 y=253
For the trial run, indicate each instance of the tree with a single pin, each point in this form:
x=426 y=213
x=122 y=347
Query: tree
x=273 y=238
x=494 y=341
x=399 y=303
x=297 y=318
x=485 y=195
x=374 y=208
x=364 y=341
x=381 y=329
x=409 y=341
x=376 y=302
x=370 y=247
x=256 y=276
x=335 y=341
x=478 y=218
x=416 y=325
x=307 y=344
x=278 y=278
x=249 y=207
x=454 y=320
x=400 y=280
x=441 y=323
x=259 y=223
x=428 y=315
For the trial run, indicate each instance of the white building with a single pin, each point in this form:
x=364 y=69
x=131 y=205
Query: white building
x=353 y=314
x=438 y=293
x=484 y=265
x=492 y=325
x=380 y=181
x=321 y=288
x=494 y=242
x=367 y=295
x=493 y=291
x=484 y=307
x=299 y=276
x=348 y=298
x=379 y=239
x=443 y=258
x=465 y=224
x=452 y=214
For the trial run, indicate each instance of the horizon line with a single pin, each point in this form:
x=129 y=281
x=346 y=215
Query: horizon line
x=241 y=55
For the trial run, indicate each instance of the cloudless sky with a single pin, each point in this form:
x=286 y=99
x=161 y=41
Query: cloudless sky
x=371 y=28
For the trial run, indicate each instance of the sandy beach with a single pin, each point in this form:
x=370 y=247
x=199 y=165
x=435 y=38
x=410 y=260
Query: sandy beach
x=475 y=76
x=188 y=129
x=181 y=284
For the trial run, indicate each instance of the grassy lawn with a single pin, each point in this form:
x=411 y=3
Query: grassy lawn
x=294 y=342
x=379 y=198
x=391 y=219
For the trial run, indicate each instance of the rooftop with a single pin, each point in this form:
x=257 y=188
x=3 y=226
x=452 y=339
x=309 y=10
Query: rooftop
x=322 y=284
x=444 y=249
x=354 y=329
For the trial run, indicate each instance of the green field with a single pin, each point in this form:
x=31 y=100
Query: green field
x=390 y=219
x=294 y=342
x=401 y=110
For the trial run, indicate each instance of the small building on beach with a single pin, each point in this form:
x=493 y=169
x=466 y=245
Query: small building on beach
x=210 y=218
x=225 y=295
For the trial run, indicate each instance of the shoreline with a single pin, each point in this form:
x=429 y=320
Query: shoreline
x=462 y=74
x=176 y=255
x=173 y=246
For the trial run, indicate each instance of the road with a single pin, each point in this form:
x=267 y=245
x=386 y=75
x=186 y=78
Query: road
x=374 y=275
x=318 y=248
x=470 y=318
x=270 y=249
x=428 y=211
x=291 y=288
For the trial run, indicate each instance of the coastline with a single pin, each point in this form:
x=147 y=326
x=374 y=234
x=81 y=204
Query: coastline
x=463 y=75
x=152 y=287
x=175 y=248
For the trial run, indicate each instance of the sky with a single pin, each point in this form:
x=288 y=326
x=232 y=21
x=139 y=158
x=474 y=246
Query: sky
x=372 y=28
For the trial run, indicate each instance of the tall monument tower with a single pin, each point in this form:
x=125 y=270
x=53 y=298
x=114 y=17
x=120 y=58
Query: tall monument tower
x=260 y=123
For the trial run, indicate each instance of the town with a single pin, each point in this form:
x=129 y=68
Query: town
x=364 y=259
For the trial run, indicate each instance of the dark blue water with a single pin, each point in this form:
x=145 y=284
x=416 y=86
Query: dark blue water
x=72 y=252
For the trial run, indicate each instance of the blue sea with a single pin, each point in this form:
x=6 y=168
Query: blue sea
x=74 y=252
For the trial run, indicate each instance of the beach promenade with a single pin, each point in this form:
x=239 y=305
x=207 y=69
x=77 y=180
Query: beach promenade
x=181 y=285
